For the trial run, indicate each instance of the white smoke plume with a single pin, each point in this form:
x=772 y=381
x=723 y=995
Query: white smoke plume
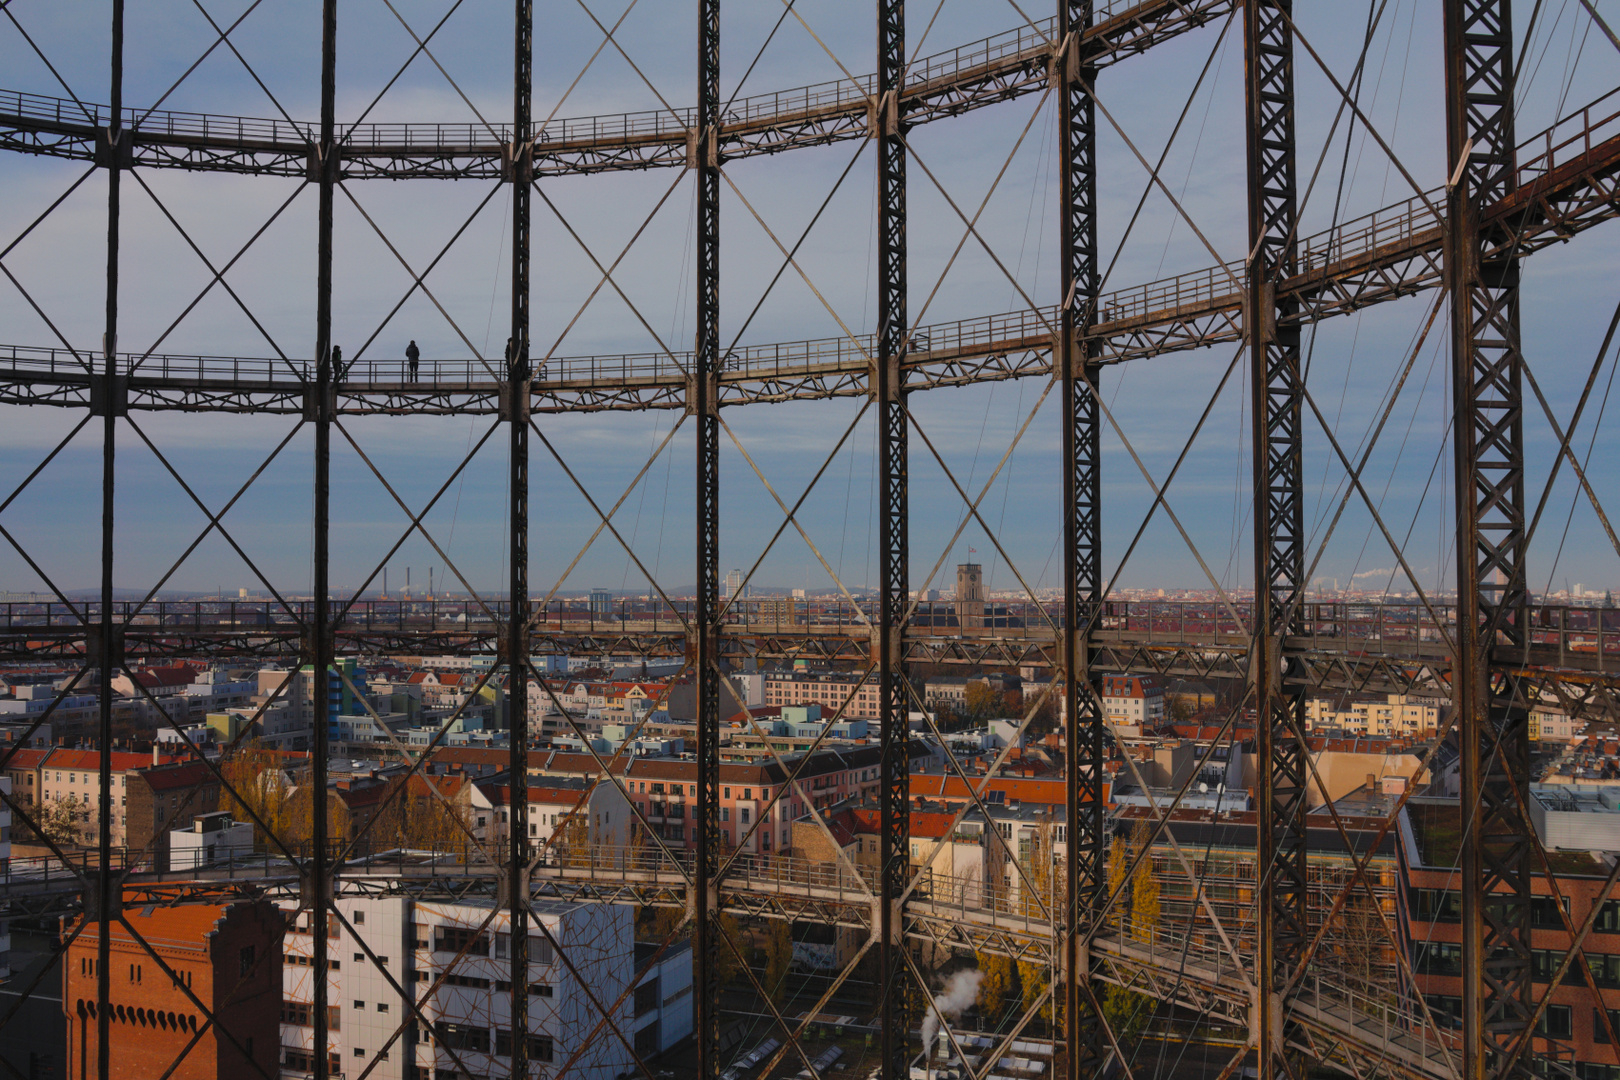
x=958 y=994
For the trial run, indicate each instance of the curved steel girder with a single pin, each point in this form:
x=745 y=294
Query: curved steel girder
x=1397 y=272
x=947 y=84
x=1384 y=256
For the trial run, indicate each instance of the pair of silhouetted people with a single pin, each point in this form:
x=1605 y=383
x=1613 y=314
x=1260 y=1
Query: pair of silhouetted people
x=413 y=357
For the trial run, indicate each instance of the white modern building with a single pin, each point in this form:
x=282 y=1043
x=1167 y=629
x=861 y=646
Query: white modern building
x=1576 y=817
x=465 y=952
x=663 y=1000
x=211 y=838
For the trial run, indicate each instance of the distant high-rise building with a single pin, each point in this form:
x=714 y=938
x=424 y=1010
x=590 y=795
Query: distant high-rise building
x=601 y=602
x=735 y=587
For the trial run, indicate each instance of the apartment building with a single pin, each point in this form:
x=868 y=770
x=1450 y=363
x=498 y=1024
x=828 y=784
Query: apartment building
x=161 y=798
x=73 y=776
x=22 y=771
x=664 y=788
x=341 y=697
x=1133 y=702
x=1548 y=724
x=594 y=815
x=463 y=952
x=1389 y=715
x=77 y=717
x=830 y=691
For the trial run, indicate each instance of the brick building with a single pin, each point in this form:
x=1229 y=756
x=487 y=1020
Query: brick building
x=227 y=957
x=1571 y=1032
x=164 y=797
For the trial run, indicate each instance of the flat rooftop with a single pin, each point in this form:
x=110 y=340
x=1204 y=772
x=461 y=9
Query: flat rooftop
x=1437 y=828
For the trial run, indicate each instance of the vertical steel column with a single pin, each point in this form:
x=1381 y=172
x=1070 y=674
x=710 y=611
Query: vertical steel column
x=105 y=896
x=1488 y=438
x=702 y=400
x=517 y=626
x=1085 y=873
x=889 y=387
x=1273 y=336
x=317 y=884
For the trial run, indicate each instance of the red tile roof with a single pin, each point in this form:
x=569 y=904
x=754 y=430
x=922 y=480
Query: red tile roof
x=1020 y=789
x=501 y=794
x=185 y=926
x=166 y=676
x=25 y=759
x=929 y=825
x=178 y=776
x=91 y=760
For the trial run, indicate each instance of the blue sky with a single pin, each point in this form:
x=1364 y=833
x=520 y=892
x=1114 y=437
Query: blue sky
x=1569 y=293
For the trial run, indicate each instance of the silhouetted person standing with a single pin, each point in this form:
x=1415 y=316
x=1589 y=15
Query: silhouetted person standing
x=337 y=364
x=412 y=356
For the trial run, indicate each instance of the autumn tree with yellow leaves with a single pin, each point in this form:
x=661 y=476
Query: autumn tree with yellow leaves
x=999 y=985
x=260 y=789
x=1126 y=1011
x=423 y=813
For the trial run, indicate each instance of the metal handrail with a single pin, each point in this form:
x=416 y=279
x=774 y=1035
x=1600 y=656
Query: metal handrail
x=928 y=73
x=1392 y=228
x=1571 y=630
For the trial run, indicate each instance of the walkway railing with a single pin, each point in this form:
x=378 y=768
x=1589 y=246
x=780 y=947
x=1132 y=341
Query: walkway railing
x=1572 y=632
x=932 y=73
x=1382 y=234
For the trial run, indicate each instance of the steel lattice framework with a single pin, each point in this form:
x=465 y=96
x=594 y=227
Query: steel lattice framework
x=1495 y=653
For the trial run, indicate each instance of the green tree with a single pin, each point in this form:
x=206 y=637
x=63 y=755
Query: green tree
x=1041 y=879
x=1119 y=860
x=301 y=815
x=727 y=965
x=1045 y=720
x=665 y=921
x=416 y=818
x=1126 y=1012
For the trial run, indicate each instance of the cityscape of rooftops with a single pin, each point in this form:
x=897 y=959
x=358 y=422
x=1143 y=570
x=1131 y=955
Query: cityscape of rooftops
x=819 y=540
